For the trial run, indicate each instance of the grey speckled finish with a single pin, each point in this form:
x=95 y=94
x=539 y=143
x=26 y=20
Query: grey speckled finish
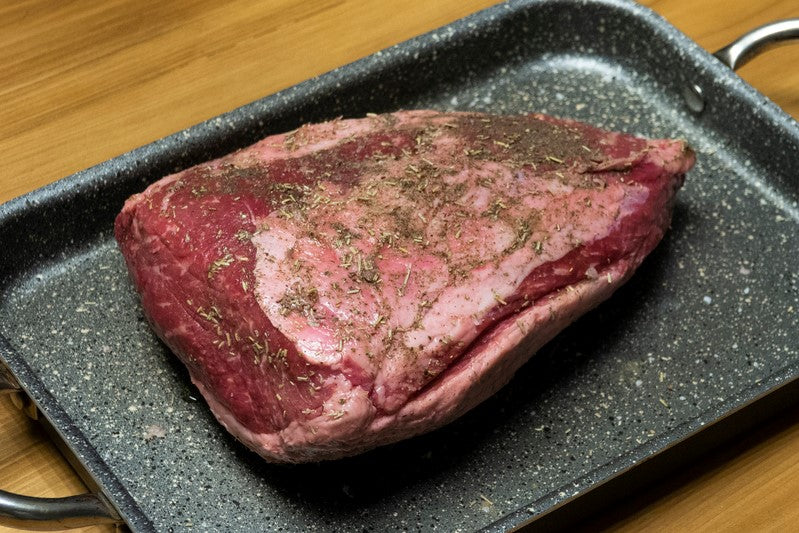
x=708 y=323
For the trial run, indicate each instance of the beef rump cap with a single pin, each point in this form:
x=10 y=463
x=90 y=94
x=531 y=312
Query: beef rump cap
x=356 y=282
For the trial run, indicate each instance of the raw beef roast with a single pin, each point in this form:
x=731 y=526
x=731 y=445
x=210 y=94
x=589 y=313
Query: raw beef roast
x=356 y=282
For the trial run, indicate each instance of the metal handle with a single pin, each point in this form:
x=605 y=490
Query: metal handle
x=741 y=51
x=26 y=512
x=744 y=49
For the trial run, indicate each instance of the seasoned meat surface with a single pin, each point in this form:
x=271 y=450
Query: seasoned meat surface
x=356 y=282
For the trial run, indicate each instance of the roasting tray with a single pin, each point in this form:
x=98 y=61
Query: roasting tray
x=703 y=336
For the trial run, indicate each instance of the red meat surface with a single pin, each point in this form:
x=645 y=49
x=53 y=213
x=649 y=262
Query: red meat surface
x=356 y=282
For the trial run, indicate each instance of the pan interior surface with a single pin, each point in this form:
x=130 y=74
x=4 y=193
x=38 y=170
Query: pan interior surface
x=709 y=317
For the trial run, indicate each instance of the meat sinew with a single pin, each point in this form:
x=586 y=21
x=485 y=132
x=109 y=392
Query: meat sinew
x=356 y=282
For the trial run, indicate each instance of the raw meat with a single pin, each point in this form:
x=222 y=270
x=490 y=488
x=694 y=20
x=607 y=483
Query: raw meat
x=356 y=282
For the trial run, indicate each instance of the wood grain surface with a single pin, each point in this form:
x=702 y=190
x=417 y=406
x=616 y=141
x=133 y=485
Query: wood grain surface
x=81 y=82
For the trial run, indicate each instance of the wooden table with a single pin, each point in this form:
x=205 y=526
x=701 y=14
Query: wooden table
x=81 y=82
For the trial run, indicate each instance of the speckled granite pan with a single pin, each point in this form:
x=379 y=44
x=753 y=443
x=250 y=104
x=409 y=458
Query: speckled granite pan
x=709 y=323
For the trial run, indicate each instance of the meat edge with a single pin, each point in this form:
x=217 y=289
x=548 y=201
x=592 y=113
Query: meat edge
x=460 y=388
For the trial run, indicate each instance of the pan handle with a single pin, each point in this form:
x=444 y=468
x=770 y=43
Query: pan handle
x=745 y=48
x=26 y=512
x=742 y=50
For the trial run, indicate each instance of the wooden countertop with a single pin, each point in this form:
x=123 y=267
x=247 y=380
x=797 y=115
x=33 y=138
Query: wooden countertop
x=82 y=82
